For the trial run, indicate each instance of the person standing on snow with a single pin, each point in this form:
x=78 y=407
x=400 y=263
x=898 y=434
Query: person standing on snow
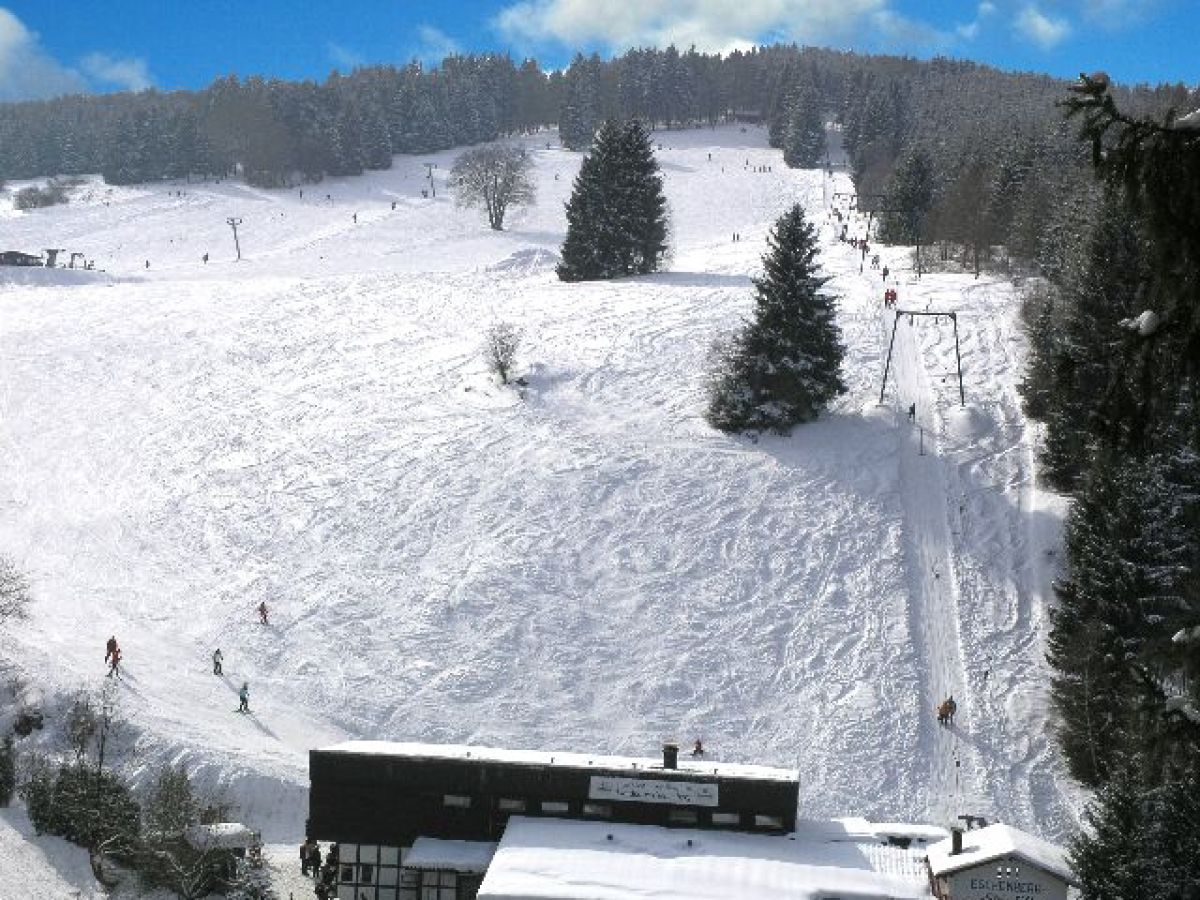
x=217 y=658
x=110 y=647
x=262 y=613
x=244 y=698
x=114 y=667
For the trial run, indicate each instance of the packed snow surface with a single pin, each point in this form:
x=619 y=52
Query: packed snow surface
x=577 y=564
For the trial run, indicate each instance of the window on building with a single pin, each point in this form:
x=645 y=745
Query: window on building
x=368 y=853
x=439 y=885
x=511 y=805
x=410 y=884
x=387 y=894
x=366 y=873
x=347 y=873
x=556 y=806
x=389 y=856
x=458 y=801
x=682 y=817
x=726 y=818
x=768 y=822
x=599 y=810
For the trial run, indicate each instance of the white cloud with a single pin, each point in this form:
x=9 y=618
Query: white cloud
x=1041 y=28
x=27 y=72
x=435 y=45
x=708 y=24
x=343 y=57
x=125 y=74
x=971 y=30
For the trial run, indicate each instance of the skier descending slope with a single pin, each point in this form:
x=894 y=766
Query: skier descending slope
x=244 y=698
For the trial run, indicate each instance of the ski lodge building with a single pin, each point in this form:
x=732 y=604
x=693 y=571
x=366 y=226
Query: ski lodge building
x=448 y=822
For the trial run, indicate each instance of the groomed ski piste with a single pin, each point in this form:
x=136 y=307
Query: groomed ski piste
x=577 y=564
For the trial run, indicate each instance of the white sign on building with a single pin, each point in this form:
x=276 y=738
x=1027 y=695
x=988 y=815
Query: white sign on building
x=648 y=790
x=989 y=883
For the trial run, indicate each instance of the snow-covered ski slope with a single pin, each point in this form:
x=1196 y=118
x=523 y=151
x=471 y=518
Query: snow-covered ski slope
x=581 y=565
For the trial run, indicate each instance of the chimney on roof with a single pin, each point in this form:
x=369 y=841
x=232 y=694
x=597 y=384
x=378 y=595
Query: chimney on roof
x=670 y=755
x=955 y=841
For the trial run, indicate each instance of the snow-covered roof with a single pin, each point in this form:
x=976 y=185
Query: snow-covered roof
x=982 y=845
x=221 y=835
x=568 y=760
x=854 y=828
x=455 y=856
x=539 y=859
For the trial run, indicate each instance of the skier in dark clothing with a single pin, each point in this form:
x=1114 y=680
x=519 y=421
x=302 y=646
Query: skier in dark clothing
x=114 y=667
x=698 y=749
x=304 y=853
x=217 y=658
x=912 y=412
x=262 y=613
x=110 y=647
x=244 y=698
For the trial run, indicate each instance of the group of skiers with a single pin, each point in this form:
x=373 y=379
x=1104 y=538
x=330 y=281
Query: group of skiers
x=325 y=875
x=112 y=658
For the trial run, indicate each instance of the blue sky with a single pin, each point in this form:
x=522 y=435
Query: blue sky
x=54 y=46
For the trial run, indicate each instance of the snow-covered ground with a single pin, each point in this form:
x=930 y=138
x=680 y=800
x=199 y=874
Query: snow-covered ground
x=580 y=565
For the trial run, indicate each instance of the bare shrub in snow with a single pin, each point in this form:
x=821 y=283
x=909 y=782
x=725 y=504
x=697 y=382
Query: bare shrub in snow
x=500 y=346
x=53 y=193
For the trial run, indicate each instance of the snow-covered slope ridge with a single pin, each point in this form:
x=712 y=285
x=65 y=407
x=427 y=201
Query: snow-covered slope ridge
x=585 y=566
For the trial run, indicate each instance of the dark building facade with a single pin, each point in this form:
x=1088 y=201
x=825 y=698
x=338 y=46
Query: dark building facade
x=377 y=799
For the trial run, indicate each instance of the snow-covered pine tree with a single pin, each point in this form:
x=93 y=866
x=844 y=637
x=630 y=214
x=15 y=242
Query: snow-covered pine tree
x=1086 y=401
x=783 y=367
x=804 y=137
x=1141 y=839
x=1132 y=542
x=616 y=217
x=1036 y=387
x=580 y=112
x=909 y=199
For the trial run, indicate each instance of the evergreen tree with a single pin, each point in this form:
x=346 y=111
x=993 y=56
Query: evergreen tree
x=91 y=808
x=1036 y=388
x=580 y=113
x=908 y=200
x=1158 y=164
x=616 y=217
x=1133 y=550
x=784 y=366
x=1141 y=841
x=171 y=805
x=804 y=137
